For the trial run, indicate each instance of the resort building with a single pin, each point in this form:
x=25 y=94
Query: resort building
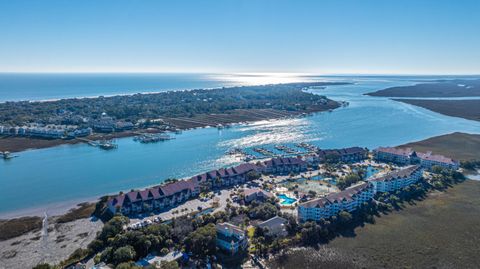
x=348 y=200
x=409 y=156
x=276 y=226
x=394 y=155
x=397 y=180
x=171 y=194
x=283 y=165
x=353 y=154
x=225 y=177
x=256 y=195
x=231 y=238
x=156 y=198
x=428 y=160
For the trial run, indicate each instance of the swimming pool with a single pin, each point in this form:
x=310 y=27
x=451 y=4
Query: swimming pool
x=285 y=200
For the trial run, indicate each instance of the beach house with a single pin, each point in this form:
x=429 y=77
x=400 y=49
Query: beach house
x=230 y=238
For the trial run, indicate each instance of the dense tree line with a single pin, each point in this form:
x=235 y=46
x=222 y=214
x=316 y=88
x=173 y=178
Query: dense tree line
x=289 y=97
x=470 y=165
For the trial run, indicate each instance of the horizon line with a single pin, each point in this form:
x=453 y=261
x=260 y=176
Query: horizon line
x=297 y=74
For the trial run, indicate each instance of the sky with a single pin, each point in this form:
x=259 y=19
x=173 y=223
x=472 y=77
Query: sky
x=243 y=36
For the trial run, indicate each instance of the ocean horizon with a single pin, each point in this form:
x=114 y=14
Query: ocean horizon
x=54 y=86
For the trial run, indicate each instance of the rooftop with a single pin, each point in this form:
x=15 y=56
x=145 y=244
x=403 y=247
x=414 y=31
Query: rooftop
x=402 y=173
x=397 y=151
x=346 y=195
x=273 y=222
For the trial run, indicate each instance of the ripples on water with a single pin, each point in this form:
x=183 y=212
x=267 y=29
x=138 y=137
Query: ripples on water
x=269 y=132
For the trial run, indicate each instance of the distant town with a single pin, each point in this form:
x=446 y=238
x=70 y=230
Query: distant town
x=104 y=118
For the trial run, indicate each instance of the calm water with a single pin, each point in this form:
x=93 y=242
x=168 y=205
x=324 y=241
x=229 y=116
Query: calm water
x=15 y=87
x=44 y=178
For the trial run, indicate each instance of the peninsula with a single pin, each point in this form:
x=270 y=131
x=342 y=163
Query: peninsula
x=25 y=125
x=465 y=108
x=441 y=88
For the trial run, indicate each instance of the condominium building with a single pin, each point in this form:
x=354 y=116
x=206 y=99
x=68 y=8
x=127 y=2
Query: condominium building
x=283 y=165
x=428 y=160
x=155 y=198
x=408 y=156
x=394 y=155
x=397 y=180
x=349 y=200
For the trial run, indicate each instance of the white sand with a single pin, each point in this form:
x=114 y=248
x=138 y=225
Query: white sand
x=49 y=245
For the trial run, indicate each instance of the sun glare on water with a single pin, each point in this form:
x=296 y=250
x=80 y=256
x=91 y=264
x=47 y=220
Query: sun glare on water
x=264 y=78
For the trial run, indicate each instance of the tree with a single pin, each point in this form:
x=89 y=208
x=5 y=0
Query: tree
x=344 y=217
x=201 y=242
x=169 y=265
x=310 y=233
x=113 y=227
x=253 y=175
x=128 y=265
x=123 y=254
x=95 y=246
x=263 y=211
x=348 y=180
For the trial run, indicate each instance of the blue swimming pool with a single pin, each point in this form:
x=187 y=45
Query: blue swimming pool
x=285 y=200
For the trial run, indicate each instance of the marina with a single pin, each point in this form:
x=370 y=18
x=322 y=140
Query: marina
x=307 y=146
x=287 y=149
x=265 y=152
x=102 y=144
x=152 y=138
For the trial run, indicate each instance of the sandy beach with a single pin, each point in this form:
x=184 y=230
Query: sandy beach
x=52 y=244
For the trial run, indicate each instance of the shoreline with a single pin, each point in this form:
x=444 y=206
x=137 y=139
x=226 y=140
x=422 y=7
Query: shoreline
x=468 y=109
x=16 y=144
x=113 y=95
x=52 y=209
x=59 y=208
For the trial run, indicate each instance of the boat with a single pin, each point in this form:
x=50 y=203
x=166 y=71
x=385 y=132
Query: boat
x=107 y=144
x=286 y=149
x=152 y=138
x=6 y=155
x=249 y=157
x=306 y=146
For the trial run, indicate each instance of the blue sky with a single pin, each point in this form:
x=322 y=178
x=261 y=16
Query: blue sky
x=325 y=37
